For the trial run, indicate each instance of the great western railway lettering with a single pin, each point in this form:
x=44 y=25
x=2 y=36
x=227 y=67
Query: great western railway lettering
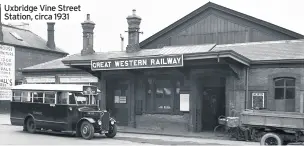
x=133 y=63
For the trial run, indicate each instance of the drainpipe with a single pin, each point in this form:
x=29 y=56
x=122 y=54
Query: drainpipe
x=247 y=93
x=218 y=57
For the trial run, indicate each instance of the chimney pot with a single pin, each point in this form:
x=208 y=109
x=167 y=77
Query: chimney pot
x=51 y=35
x=134 y=12
x=88 y=36
x=133 y=32
x=88 y=17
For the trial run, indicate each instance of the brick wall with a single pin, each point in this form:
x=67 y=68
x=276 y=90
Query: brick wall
x=28 y=57
x=235 y=93
x=261 y=80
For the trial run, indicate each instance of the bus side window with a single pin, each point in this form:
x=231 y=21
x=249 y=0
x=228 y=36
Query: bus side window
x=49 y=97
x=38 y=97
x=17 y=96
x=72 y=99
x=26 y=97
x=62 y=97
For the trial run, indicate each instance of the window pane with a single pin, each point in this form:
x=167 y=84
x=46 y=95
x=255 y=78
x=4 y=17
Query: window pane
x=279 y=82
x=16 y=95
x=49 y=97
x=290 y=82
x=290 y=93
x=38 y=97
x=159 y=93
x=26 y=97
x=163 y=95
x=279 y=93
x=167 y=92
x=62 y=97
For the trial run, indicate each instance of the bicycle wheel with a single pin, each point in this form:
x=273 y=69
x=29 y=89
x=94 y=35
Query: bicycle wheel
x=220 y=130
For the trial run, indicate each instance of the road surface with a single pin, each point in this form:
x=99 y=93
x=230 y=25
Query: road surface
x=13 y=135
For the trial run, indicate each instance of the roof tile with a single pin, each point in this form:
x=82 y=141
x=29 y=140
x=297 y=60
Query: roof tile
x=272 y=50
x=30 y=39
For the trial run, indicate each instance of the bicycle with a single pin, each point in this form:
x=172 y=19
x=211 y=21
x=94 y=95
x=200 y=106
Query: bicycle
x=229 y=127
x=222 y=130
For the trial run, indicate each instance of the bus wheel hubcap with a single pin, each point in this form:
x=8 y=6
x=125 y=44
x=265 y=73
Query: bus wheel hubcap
x=85 y=130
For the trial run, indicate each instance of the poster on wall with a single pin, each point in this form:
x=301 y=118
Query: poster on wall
x=184 y=102
x=7 y=71
x=257 y=99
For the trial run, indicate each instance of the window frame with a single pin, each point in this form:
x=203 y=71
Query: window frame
x=174 y=97
x=284 y=87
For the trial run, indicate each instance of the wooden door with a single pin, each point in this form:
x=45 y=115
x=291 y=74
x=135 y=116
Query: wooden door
x=120 y=103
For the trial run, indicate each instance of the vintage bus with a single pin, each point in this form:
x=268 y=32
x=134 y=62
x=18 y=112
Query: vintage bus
x=61 y=108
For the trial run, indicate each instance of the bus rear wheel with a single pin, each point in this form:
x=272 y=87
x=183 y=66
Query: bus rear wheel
x=30 y=125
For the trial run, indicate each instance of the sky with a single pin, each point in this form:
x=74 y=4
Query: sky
x=110 y=18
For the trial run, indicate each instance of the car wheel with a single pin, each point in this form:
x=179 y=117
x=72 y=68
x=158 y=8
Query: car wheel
x=271 y=139
x=30 y=125
x=112 y=131
x=87 y=130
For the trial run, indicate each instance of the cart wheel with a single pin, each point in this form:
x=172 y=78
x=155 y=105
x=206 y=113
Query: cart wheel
x=87 y=130
x=220 y=130
x=271 y=139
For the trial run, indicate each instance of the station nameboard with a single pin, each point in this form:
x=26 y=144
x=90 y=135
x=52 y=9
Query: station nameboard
x=134 y=63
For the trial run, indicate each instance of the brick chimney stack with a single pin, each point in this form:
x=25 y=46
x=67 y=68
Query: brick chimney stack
x=88 y=36
x=51 y=38
x=133 y=31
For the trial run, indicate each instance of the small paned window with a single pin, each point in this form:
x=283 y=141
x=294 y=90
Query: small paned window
x=284 y=88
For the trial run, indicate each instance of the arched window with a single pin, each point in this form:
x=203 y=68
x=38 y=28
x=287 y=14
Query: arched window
x=284 y=88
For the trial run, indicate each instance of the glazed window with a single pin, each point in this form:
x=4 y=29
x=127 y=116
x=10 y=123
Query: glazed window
x=163 y=95
x=284 y=88
x=17 y=96
x=26 y=96
x=37 y=97
x=62 y=97
x=49 y=97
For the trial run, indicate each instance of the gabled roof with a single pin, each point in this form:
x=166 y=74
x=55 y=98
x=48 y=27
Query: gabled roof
x=29 y=39
x=286 y=51
x=225 y=10
x=270 y=51
x=50 y=65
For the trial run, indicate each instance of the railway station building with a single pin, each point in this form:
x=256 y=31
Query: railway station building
x=214 y=61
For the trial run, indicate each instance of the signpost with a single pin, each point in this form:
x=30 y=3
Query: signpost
x=139 y=62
